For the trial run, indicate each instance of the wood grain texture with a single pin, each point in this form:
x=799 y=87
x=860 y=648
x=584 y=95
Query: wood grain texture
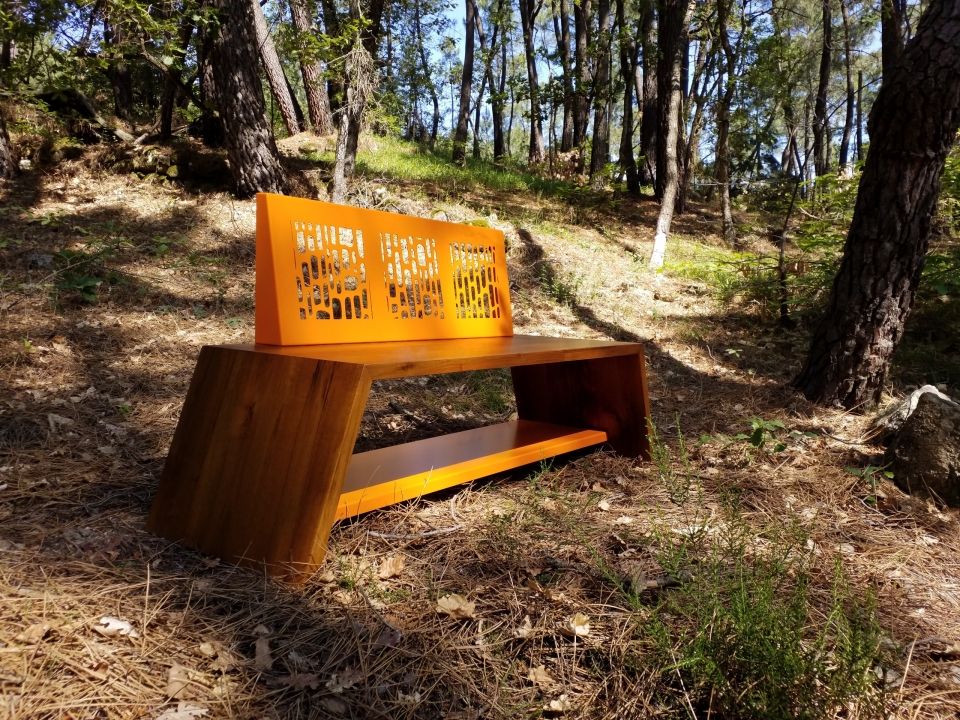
x=390 y=475
x=428 y=357
x=258 y=458
x=608 y=394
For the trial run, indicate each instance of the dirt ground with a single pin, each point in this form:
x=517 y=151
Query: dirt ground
x=109 y=286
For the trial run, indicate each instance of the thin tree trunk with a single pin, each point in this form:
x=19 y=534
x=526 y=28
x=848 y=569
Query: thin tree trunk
x=821 y=139
x=254 y=160
x=600 y=147
x=649 y=120
x=628 y=71
x=331 y=28
x=286 y=103
x=727 y=88
x=891 y=34
x=172 y=79
x=582 y=17
x=912 y=126
x=466 y=86
x=674 y=20
x=496 y=96
x=843 y=160
x=314 y=84
x=500 y=147
x=561 y=28
x=700 y=91
x=859 y=115
x=529 y=9
x=119 y=72
x=425 y=66
x=8 y=158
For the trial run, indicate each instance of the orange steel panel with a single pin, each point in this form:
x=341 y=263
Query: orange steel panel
x=390 y=475
x=331 y=273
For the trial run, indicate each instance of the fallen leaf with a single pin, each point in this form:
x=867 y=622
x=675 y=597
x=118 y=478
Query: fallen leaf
x=560 y=705
x=344 y=680
x=110 y=626
x=623 y=520
x=183 y=711
x=391 y=567
x=326 y=576
x=300 y=681
x=539 y=676
x=208 y=649
x=178 y=678
x=388 y=637
x=457 y=607
x=525 y=630
x=604 y=505
x=576 y=626
x=34 y=633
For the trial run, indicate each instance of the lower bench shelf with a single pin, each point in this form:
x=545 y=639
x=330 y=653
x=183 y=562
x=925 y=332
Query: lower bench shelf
x=378 y=478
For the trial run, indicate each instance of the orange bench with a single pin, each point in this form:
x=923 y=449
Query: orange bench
x=262 y=461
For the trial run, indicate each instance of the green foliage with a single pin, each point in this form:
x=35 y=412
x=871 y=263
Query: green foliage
x=871 y=475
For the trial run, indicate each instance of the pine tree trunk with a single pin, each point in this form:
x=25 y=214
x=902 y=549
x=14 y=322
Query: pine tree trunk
x=274 y=71
x=119 y=72
x=821 y=138
x=674 y=19
x=314 y=85
x=600 y=147
x=561 y=26
x=582 y=17
x=912 y=127
x=172 y=79
x=727 y=87
x=254 y=160
x=843 y=160
x=891 y=34
x=425 y=67
x=498 y=98
x=859 y=115
x=466 y=86
x=528 y=18
x=628 y=68
x=8 y=158
x=649 y=120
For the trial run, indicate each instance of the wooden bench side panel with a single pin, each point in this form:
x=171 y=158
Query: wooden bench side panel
x=257 y=462
x=337 y=274
x=608 y=394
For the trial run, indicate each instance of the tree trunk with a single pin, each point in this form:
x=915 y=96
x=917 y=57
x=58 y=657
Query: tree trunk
x=674 y=19
x=331 y=28
x=425 y=66
x=727 y=88
x=498 y=98
x=529 y=9
x=8 y=158
x=582 y=17
x=671 y=32
x=286 y=103
x=254 y=160
x=172 y=79
x=314 y=85
x=891 y=34
x=628 y=68
x=561 y=27
x=466 y=86
x=843 y=160
x=821 y=138
x=649 y=120
x=600 y=147
x=119 y=72
x=912 y=127
x=859 y=115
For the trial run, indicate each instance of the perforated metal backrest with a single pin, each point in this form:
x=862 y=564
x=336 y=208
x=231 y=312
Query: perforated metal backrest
x=331 y=273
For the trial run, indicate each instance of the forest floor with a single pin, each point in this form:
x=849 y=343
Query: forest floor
x=592 y=586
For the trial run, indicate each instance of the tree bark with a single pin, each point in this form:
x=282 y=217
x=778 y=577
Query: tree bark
x=649 y=120
x=628 y=68
x=274 y=71
x=843 y=159
x=314 y=85
x=466 y=86
x=8 y=158
x=561 y=27
x=172 y=79
x=254 y=160
x=821 y=139
x=859 y=115
x=600 y=147
x=674 y=19
x=529 y=9
x=912 y=126
x=119 y=72
x=891 y=34
x=582 y=18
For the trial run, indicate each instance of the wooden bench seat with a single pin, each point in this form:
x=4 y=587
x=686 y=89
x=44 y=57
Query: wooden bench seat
x=262 y=460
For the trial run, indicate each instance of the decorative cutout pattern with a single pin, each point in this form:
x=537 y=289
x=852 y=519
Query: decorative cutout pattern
x=411 y=277
x=475 y=281
x=331 y=274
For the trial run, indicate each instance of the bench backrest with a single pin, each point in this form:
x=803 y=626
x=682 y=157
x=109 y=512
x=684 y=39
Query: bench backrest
x=336 y=274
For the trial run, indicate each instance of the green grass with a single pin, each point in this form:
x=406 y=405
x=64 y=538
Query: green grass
x=407 y=162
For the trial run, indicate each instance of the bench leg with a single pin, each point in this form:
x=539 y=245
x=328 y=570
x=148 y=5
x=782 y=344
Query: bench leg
x=257 y=462
x=607 y=394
